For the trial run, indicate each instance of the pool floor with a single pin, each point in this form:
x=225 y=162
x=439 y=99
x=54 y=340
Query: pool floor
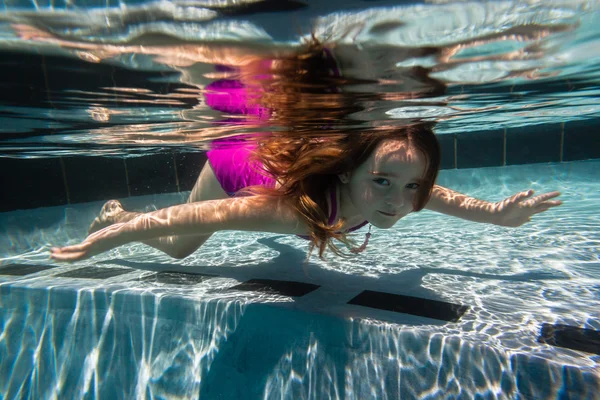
x=435 y=308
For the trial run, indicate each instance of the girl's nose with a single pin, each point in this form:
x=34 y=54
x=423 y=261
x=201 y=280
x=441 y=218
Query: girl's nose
x=396 y=200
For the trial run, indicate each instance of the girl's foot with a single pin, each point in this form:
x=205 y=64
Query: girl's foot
x=110 y=210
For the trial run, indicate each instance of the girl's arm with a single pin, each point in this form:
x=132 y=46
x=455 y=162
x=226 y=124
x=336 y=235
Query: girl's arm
x=513 y=211
x=253 y=213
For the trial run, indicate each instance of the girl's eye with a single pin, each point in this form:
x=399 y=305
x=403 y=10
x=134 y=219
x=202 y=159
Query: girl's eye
x=382 y=181
x=412 y=186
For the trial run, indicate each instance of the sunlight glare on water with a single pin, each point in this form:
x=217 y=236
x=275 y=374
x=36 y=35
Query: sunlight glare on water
x=125 y=79
x=119 y=79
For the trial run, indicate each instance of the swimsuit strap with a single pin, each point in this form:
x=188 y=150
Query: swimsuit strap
x=333 y=201
x=358 y=226
x=333 y=214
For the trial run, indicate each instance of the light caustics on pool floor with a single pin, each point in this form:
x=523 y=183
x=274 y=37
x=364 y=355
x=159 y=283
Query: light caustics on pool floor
x=138 y=333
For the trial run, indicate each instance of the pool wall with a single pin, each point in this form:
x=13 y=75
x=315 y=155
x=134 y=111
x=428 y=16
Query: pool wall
x=43 y=182
x=66 y=333
x=114 y=342
x=31 y=180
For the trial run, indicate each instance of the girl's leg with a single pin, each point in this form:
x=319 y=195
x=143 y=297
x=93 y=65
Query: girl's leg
x=207 y=187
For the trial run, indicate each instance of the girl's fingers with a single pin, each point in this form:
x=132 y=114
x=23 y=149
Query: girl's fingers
x=70 y=253
x=75 y=248
x=553 y=203
x=543 y=199
x=547 y=204
x=68 y=256
x=522 y=196
x=546 y=196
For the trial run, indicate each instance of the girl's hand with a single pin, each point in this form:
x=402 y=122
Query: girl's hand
x=96 y=243
x=518 y=209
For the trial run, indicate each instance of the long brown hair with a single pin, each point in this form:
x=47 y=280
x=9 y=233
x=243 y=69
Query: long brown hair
x=307 y=168
x=315 y=140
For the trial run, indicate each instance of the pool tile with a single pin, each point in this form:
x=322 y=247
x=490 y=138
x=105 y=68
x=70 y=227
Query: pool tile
x=447 y=148
x=570 y=337
x=189 y=166
x=480 y=149
x=151 y=174
x=533 y=144
x=246 y=8
x=284 y=288
x=23 y=269
x=582 y=140
x=31 y=183
x=177 y=278
x=95 y=178
x=95 y=272
x=410 y=305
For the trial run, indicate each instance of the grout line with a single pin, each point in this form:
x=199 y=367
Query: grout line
x=562 y=142
x=504 y=149
x=126 y=177
x=176 y=172
x=46 y=81
x=64 y=176
x=455 y=152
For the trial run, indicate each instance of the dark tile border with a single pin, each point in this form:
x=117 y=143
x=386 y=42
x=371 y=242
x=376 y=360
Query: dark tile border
x=23 y=269
x=533 y=144
x=570 y=337
x=95 y=273
x=581 y=140
x=480 y=149
x=283 y=288
x=410 y=305
x=58 y=181
x=95 y=178
x=151 y=174
x=176 y=278
x=447 y=146
x=188 y=167
x=31 y=182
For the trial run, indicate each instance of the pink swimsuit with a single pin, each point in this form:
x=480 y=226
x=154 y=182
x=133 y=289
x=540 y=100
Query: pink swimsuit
x=229 y=161
x=229 y=157
x=234 y=172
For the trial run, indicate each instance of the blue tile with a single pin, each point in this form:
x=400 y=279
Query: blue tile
x=95 y=178
x=151 y=174
x=447 y=148
x=480 y=149
x=533 y=144
x=582 y=140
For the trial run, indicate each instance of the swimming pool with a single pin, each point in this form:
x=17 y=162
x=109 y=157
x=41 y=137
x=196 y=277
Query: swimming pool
x=248 y=318
x=105 y=100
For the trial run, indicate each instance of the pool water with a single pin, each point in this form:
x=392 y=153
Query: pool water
x=123 y=329
x=109 y=99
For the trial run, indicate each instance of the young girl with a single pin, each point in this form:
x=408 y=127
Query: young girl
x=319 y=188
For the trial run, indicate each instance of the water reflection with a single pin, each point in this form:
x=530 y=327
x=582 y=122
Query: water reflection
x=129 y=82
x=165 y=84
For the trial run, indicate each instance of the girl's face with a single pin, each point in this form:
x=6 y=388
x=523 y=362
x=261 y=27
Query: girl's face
x=382 y=189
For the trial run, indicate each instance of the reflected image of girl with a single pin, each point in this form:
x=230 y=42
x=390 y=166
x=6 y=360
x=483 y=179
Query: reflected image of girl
x=314 y=179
